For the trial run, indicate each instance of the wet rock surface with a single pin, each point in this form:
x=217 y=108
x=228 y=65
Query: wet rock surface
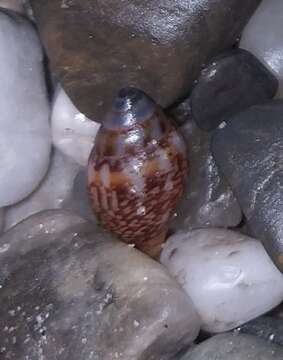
x=265 y=327
x=97 y=47
x=77 y=293
x=228 y=85
x=208 y=200
x=249 y=153
x=235 y=347
x=229 y=276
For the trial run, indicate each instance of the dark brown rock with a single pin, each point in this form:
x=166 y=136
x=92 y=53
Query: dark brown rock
x=97 y=47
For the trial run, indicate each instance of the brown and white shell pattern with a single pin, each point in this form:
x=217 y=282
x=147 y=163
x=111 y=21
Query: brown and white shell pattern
x=137 y=171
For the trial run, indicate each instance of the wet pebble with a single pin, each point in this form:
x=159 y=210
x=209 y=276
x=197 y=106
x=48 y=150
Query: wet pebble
x=235 y=347
x=249 y=153
x=229 y=84
x=25 y=140
x=265 y=327
x=156 y=47
x=55 y=188
x=72 y=132
x=263 y=37
x=208 y=200
x=77 y=293
x=229 y=276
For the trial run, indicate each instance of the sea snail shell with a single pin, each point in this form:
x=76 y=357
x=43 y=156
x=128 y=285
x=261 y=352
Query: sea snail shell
x=136 y=171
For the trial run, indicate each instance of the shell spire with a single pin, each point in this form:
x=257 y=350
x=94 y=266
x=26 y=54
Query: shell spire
x=137 y=171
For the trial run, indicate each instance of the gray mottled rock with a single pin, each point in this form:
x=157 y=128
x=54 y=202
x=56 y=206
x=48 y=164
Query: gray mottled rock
x=79 y=294
x=266 y=327
x=208 y=199
x=249 y=153
x=97 y=47
x=235 y=347
x=228 y=85
x=45 y=225
x=53 y=190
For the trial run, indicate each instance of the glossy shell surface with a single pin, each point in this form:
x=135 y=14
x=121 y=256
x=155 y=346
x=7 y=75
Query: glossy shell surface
x=137 y=171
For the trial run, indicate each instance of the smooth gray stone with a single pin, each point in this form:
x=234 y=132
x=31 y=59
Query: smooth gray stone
x=235 y=347
x=229 y=84
x=208 y=200
x=265 y=327
x=248 y=151
x=71 y=291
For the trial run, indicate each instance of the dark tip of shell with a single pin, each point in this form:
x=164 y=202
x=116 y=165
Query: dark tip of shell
x=130 y=106
x=129 y=98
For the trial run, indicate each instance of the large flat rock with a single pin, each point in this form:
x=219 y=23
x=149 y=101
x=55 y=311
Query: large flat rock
x=71 y=291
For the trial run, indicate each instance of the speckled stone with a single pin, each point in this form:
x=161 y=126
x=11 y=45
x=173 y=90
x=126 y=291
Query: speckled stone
x=98 y=47
x=265 y=327
x=228 y=85
x=235 y=347
x=76 y=293
x=248 y=151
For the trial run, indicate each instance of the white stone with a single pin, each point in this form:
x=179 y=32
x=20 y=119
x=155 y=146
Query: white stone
x=228 y=275
x=25 y=139
x=55 y=188
x=263 y=36
x=72 y=132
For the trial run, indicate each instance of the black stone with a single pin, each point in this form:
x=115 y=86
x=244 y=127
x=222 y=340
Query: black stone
x=265 y=327
x=229 y=84
x=235 y=347
x=249 y=152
